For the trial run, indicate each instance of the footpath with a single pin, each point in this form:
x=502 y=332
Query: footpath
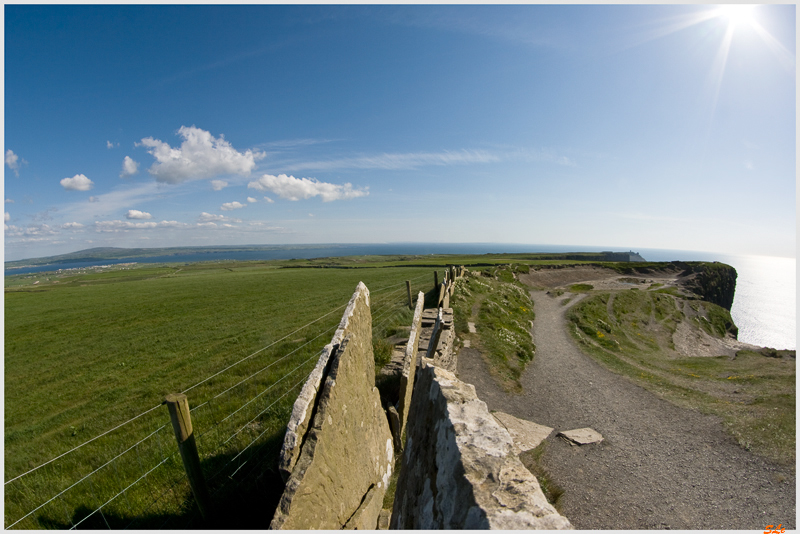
x=659 y=465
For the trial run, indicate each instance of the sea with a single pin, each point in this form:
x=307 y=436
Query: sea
x=764 y=305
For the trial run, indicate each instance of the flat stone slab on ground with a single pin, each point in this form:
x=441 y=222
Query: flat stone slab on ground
x=471 y=327
x=526 y=435
x=467 y=343
x=582 y=436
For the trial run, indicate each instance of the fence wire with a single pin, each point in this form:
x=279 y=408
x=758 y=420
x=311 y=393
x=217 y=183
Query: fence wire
x=238 y=431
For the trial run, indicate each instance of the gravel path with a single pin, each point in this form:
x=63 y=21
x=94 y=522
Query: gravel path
x=660 y=466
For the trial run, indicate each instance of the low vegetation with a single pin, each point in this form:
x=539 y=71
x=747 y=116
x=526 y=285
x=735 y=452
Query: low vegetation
x=631 y=333
x=88 y=350
x=502 y=311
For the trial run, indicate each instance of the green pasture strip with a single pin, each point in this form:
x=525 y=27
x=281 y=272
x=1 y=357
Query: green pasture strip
x=502 y=311
x=630 y=332
x=89 y=353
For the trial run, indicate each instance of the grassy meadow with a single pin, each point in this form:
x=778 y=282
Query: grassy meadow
x=85 y=352
x=502 y=311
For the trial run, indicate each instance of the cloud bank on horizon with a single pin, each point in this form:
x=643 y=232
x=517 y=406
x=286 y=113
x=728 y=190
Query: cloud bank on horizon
x=517 y=124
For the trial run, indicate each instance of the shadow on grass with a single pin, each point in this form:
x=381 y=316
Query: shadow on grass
x=244 y=496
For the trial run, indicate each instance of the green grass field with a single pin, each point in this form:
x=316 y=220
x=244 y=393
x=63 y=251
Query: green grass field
x=502 y=311
x=87 y=352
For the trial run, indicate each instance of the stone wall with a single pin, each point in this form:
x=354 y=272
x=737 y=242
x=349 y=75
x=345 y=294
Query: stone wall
x=356 y=315
x=408 y=372
x=344 y=459
x=460 y=470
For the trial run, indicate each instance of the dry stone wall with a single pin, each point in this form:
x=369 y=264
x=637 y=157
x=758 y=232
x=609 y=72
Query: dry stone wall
x=356 y=316
x=460 y=470
x=346 y=455
x=408 y=372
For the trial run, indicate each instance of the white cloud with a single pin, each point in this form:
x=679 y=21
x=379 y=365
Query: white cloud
x=251 y=200
x=72 y=226
x=94 y=199
x=9 y=201
x=129 y=167
x=209 y=217
x=110 y=145
x=292 y=188
x=13 y=161
x=7 y=216
x=200 y=156
x=207 y=224
x=136 y=214
x=218 y=185
x=232 y=206
x=748 y=164
x=31 y=230
x=269 y=200
x=79 y=182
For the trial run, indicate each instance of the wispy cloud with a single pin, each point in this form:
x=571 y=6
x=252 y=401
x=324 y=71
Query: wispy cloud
x=292 y=188
x=13 y=161
x=114 y=202
x=407 y=161
x=210 y=217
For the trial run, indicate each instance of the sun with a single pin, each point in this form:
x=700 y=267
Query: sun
x=737 y=14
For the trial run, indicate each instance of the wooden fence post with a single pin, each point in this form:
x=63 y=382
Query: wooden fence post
x=435 y=279
x=408 y=290
x=178 y=406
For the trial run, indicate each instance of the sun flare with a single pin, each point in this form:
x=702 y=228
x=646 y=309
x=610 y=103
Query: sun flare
x=737 y=13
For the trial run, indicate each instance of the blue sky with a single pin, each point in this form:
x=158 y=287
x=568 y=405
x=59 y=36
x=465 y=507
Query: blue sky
x=621 y=126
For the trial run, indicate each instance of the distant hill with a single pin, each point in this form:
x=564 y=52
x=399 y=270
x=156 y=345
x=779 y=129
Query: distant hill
x=114 y=253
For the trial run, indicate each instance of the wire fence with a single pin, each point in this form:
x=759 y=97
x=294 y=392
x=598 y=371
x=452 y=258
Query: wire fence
x=132 y=476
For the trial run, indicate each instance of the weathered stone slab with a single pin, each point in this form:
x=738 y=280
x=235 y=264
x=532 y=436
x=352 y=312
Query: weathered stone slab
x=347 y=455
x=459 y=470
x=467 y=343
x=410 y=364
x=368 y=514
x=383 y=519
x=356 y=315
x=471 y=328
x=395 y=365
x=526 y=435
x=582 y=436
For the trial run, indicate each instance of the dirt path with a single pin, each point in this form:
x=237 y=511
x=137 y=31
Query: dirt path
x=660 y=466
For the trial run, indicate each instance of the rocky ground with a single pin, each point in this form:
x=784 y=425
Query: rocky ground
x=659 y=466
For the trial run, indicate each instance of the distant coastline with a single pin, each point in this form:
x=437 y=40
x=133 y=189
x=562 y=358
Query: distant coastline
x=113 y=255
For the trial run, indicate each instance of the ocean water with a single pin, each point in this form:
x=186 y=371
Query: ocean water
x=764 y=306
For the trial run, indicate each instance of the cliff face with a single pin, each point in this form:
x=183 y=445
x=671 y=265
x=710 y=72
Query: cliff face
x=713 y=282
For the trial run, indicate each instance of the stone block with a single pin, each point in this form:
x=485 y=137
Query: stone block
x=459 y=469
x=410 y=364
x=582 y=436
x=526 y=435
x=347 y=456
